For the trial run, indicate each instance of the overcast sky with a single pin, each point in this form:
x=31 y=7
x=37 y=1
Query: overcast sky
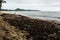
x=44 y=5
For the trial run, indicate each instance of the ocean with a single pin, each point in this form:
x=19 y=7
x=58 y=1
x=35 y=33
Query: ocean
x=38 y=14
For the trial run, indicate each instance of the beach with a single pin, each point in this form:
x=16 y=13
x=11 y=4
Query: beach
x=21 y=27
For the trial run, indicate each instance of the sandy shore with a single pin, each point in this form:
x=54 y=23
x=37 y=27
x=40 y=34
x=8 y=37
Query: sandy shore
x=19 y=27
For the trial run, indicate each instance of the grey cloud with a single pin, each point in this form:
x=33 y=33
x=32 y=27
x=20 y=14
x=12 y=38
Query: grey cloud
x=41 y=4
x=39 y=1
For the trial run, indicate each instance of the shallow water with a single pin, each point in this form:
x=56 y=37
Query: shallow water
x=38 y=14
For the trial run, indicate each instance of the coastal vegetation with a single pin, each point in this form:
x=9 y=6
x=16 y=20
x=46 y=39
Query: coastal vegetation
x=1 y=1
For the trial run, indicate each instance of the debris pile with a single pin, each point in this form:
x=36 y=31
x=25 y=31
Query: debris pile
x=18 y=27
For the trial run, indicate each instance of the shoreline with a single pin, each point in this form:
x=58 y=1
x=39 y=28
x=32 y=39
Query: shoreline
x=41 y=17
x=38 y=18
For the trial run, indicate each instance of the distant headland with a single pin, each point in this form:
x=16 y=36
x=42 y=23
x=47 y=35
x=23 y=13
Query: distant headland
x=18 y=9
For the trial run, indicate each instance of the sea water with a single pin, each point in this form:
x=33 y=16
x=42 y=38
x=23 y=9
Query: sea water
x=38 y=14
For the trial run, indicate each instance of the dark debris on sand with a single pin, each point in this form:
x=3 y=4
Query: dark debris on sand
x=25 y=28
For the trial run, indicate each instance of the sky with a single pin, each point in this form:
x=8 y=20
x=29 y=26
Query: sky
x=44 y=5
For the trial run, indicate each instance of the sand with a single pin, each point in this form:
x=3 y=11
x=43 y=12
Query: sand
x=19 y=27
